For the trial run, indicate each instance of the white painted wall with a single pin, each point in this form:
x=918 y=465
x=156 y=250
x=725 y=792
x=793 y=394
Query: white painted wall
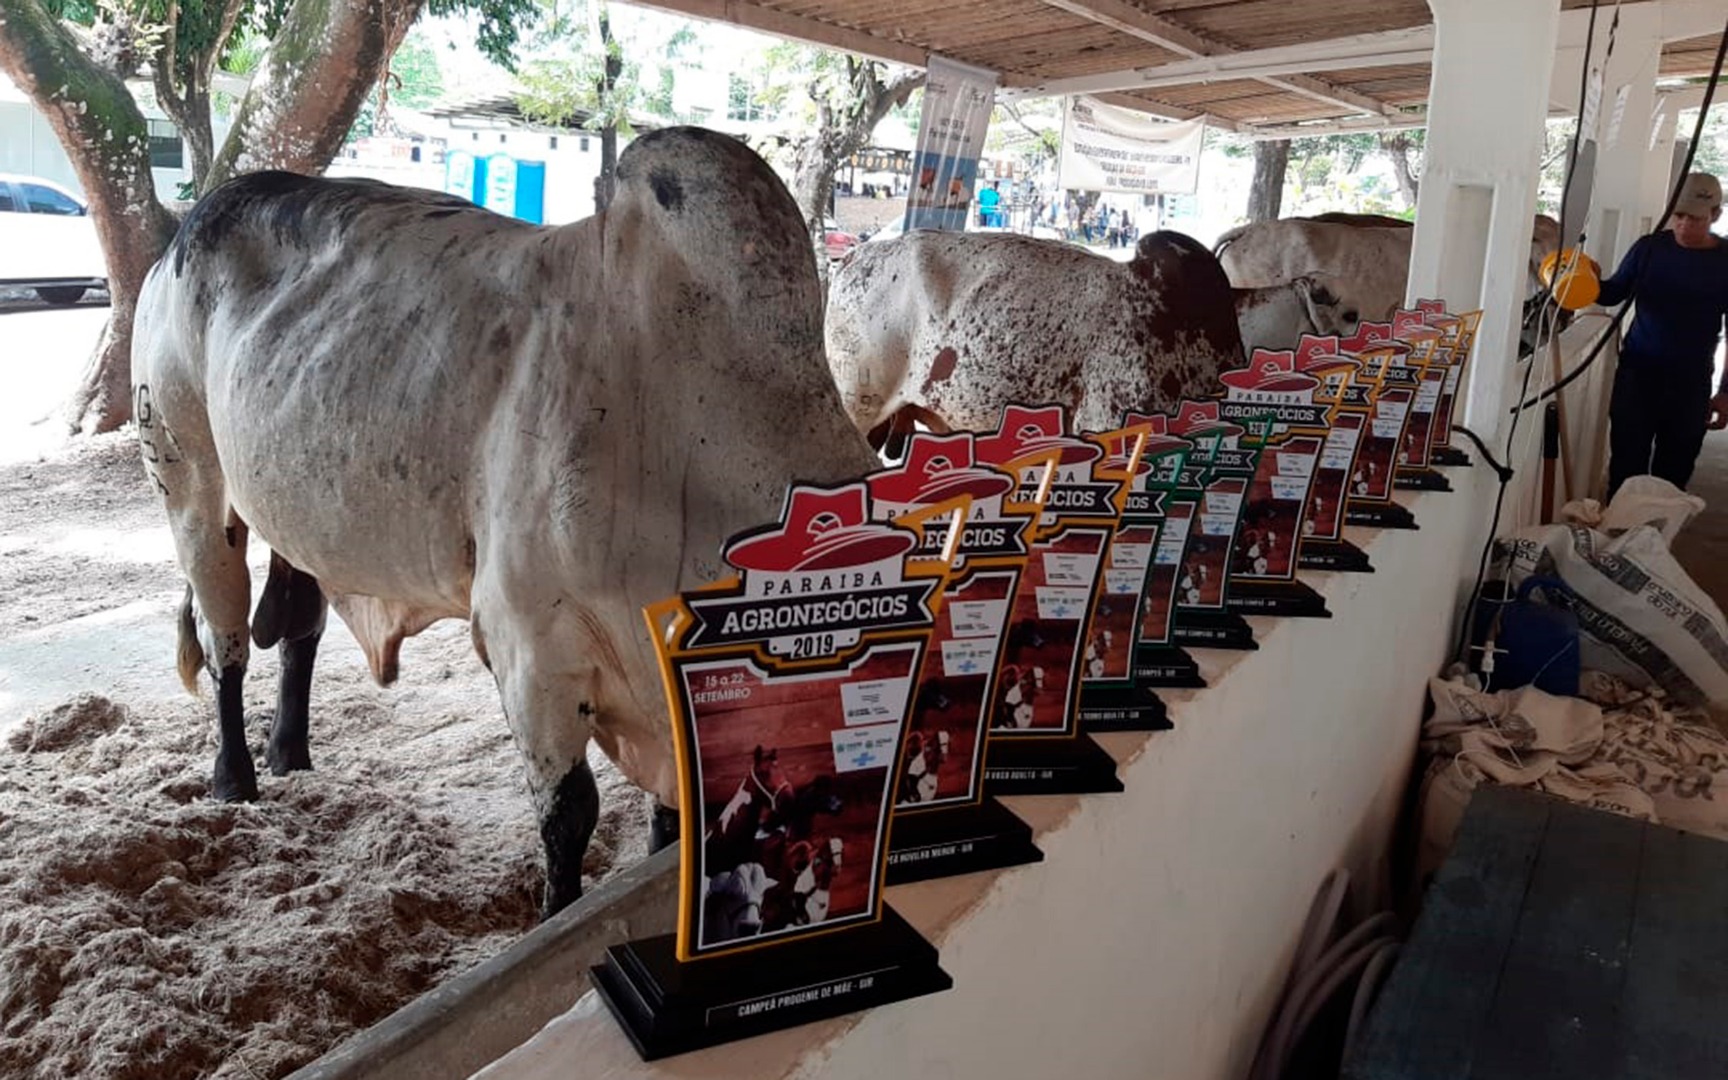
x=1492 y=64
x=28 y=145
x=1152 y=940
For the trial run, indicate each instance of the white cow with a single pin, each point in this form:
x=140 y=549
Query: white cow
x=948 y=327
x=1364 y=264
x=429 y=411
x=1276 y=316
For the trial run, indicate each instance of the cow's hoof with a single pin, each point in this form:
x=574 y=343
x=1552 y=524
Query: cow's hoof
x=234 y=782
x=287 y=758
x=558 y=897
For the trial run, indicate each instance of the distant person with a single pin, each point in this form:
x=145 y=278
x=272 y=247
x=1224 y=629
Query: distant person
x=1662 y=402
x=988 y=200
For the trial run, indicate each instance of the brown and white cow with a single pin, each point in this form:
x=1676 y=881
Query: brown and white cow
x=949 y=327
x=429 y=411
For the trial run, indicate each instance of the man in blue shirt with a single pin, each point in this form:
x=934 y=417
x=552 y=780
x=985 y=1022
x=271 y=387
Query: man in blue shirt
x=1662 y=402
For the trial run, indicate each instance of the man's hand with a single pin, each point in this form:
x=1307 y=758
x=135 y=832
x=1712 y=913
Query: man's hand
x=1719 y=411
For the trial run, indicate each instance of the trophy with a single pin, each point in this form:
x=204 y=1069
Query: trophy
x=944 y=822
x=789 y=687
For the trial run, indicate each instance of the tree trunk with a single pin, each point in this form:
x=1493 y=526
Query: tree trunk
x=325 y=58
x=606 y=184
x=107 y=140
x=1266 y=195
x=1397 y=147
x=322 y=64
x=189 y=108
x=841 y=130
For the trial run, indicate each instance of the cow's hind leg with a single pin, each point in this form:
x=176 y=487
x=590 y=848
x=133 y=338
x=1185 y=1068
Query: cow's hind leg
x=290 y=612
x=211 y=544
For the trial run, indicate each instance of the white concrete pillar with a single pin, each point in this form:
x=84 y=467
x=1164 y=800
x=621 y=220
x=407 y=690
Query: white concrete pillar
x=1487 y=103
x=1620 y=210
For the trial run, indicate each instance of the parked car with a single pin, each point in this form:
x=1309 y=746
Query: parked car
x=838 y=242
x=47 y=241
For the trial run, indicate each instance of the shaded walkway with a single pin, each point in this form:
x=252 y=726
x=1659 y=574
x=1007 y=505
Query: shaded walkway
x=1702 y=546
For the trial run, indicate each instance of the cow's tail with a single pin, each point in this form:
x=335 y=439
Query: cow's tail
x=189 y=654
x=1227 y=239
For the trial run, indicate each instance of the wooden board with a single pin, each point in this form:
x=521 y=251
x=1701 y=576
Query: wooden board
x=1559 y=941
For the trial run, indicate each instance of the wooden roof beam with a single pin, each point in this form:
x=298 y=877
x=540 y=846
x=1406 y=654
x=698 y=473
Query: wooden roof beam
x=1322 y=91
x=1125 y=17
x=1168 y=112
x=795 y=28
x=1353 y=125
x=1389 y=49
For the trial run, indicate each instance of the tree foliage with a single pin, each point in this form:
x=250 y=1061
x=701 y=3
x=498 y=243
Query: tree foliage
x=313 y=63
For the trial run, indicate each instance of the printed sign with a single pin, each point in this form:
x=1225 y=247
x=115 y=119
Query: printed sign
x=944 y=750
x=1082 y=494
x=958 y=99
x=789 y=688
x=1107 y=148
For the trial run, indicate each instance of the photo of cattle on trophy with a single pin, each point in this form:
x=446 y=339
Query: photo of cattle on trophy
x=766 y=868
x=791 y=811
x=1018 y=691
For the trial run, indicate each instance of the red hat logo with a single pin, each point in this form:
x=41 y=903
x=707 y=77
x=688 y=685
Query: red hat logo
x=1270 y=372
x=1201 y=418
x=1412 y=325
x=938 y=468
x=824 y=529
x=1312 y=346
x=1376 y=336
x=1158 y=422
x=1025 y=432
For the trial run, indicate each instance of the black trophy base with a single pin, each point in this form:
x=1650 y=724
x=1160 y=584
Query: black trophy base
x=1288 y=599
x=1420 y=480
x=1387 y=515
x=1167 y=666
x=1448 y=457
x=1122 y=708
x=1036 y=766
x=958 y=840
x=670 y=1007
x=1340 y=556
x=1212 y=629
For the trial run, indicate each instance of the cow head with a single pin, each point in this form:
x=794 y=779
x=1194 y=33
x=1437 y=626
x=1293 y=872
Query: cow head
x=1328 y=312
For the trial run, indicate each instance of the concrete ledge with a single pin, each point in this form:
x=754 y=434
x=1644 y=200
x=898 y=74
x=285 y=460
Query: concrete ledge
x=1152 y=937
x=485 y=1012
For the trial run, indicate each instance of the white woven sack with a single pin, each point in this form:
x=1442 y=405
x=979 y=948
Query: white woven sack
x=1641 y=617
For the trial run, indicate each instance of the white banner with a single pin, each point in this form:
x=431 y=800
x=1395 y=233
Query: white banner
x=1105 y=148
x=957 y=103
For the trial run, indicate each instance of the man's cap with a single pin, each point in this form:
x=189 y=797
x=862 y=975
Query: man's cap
x=1699 y=195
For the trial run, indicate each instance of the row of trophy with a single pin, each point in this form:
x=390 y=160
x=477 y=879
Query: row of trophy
x=896 y=651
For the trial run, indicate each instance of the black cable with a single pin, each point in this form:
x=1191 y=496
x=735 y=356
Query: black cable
x=1619 y=315
x=1502 y=471
x=1549 y=302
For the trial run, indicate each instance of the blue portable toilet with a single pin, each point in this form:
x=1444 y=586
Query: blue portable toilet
x=464 y=175
x=515 y=188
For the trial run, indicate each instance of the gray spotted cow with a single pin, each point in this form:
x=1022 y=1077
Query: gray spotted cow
x=429 y=411
x=946 y=328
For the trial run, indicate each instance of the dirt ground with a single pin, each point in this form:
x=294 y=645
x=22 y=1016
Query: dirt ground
x=146 y=931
